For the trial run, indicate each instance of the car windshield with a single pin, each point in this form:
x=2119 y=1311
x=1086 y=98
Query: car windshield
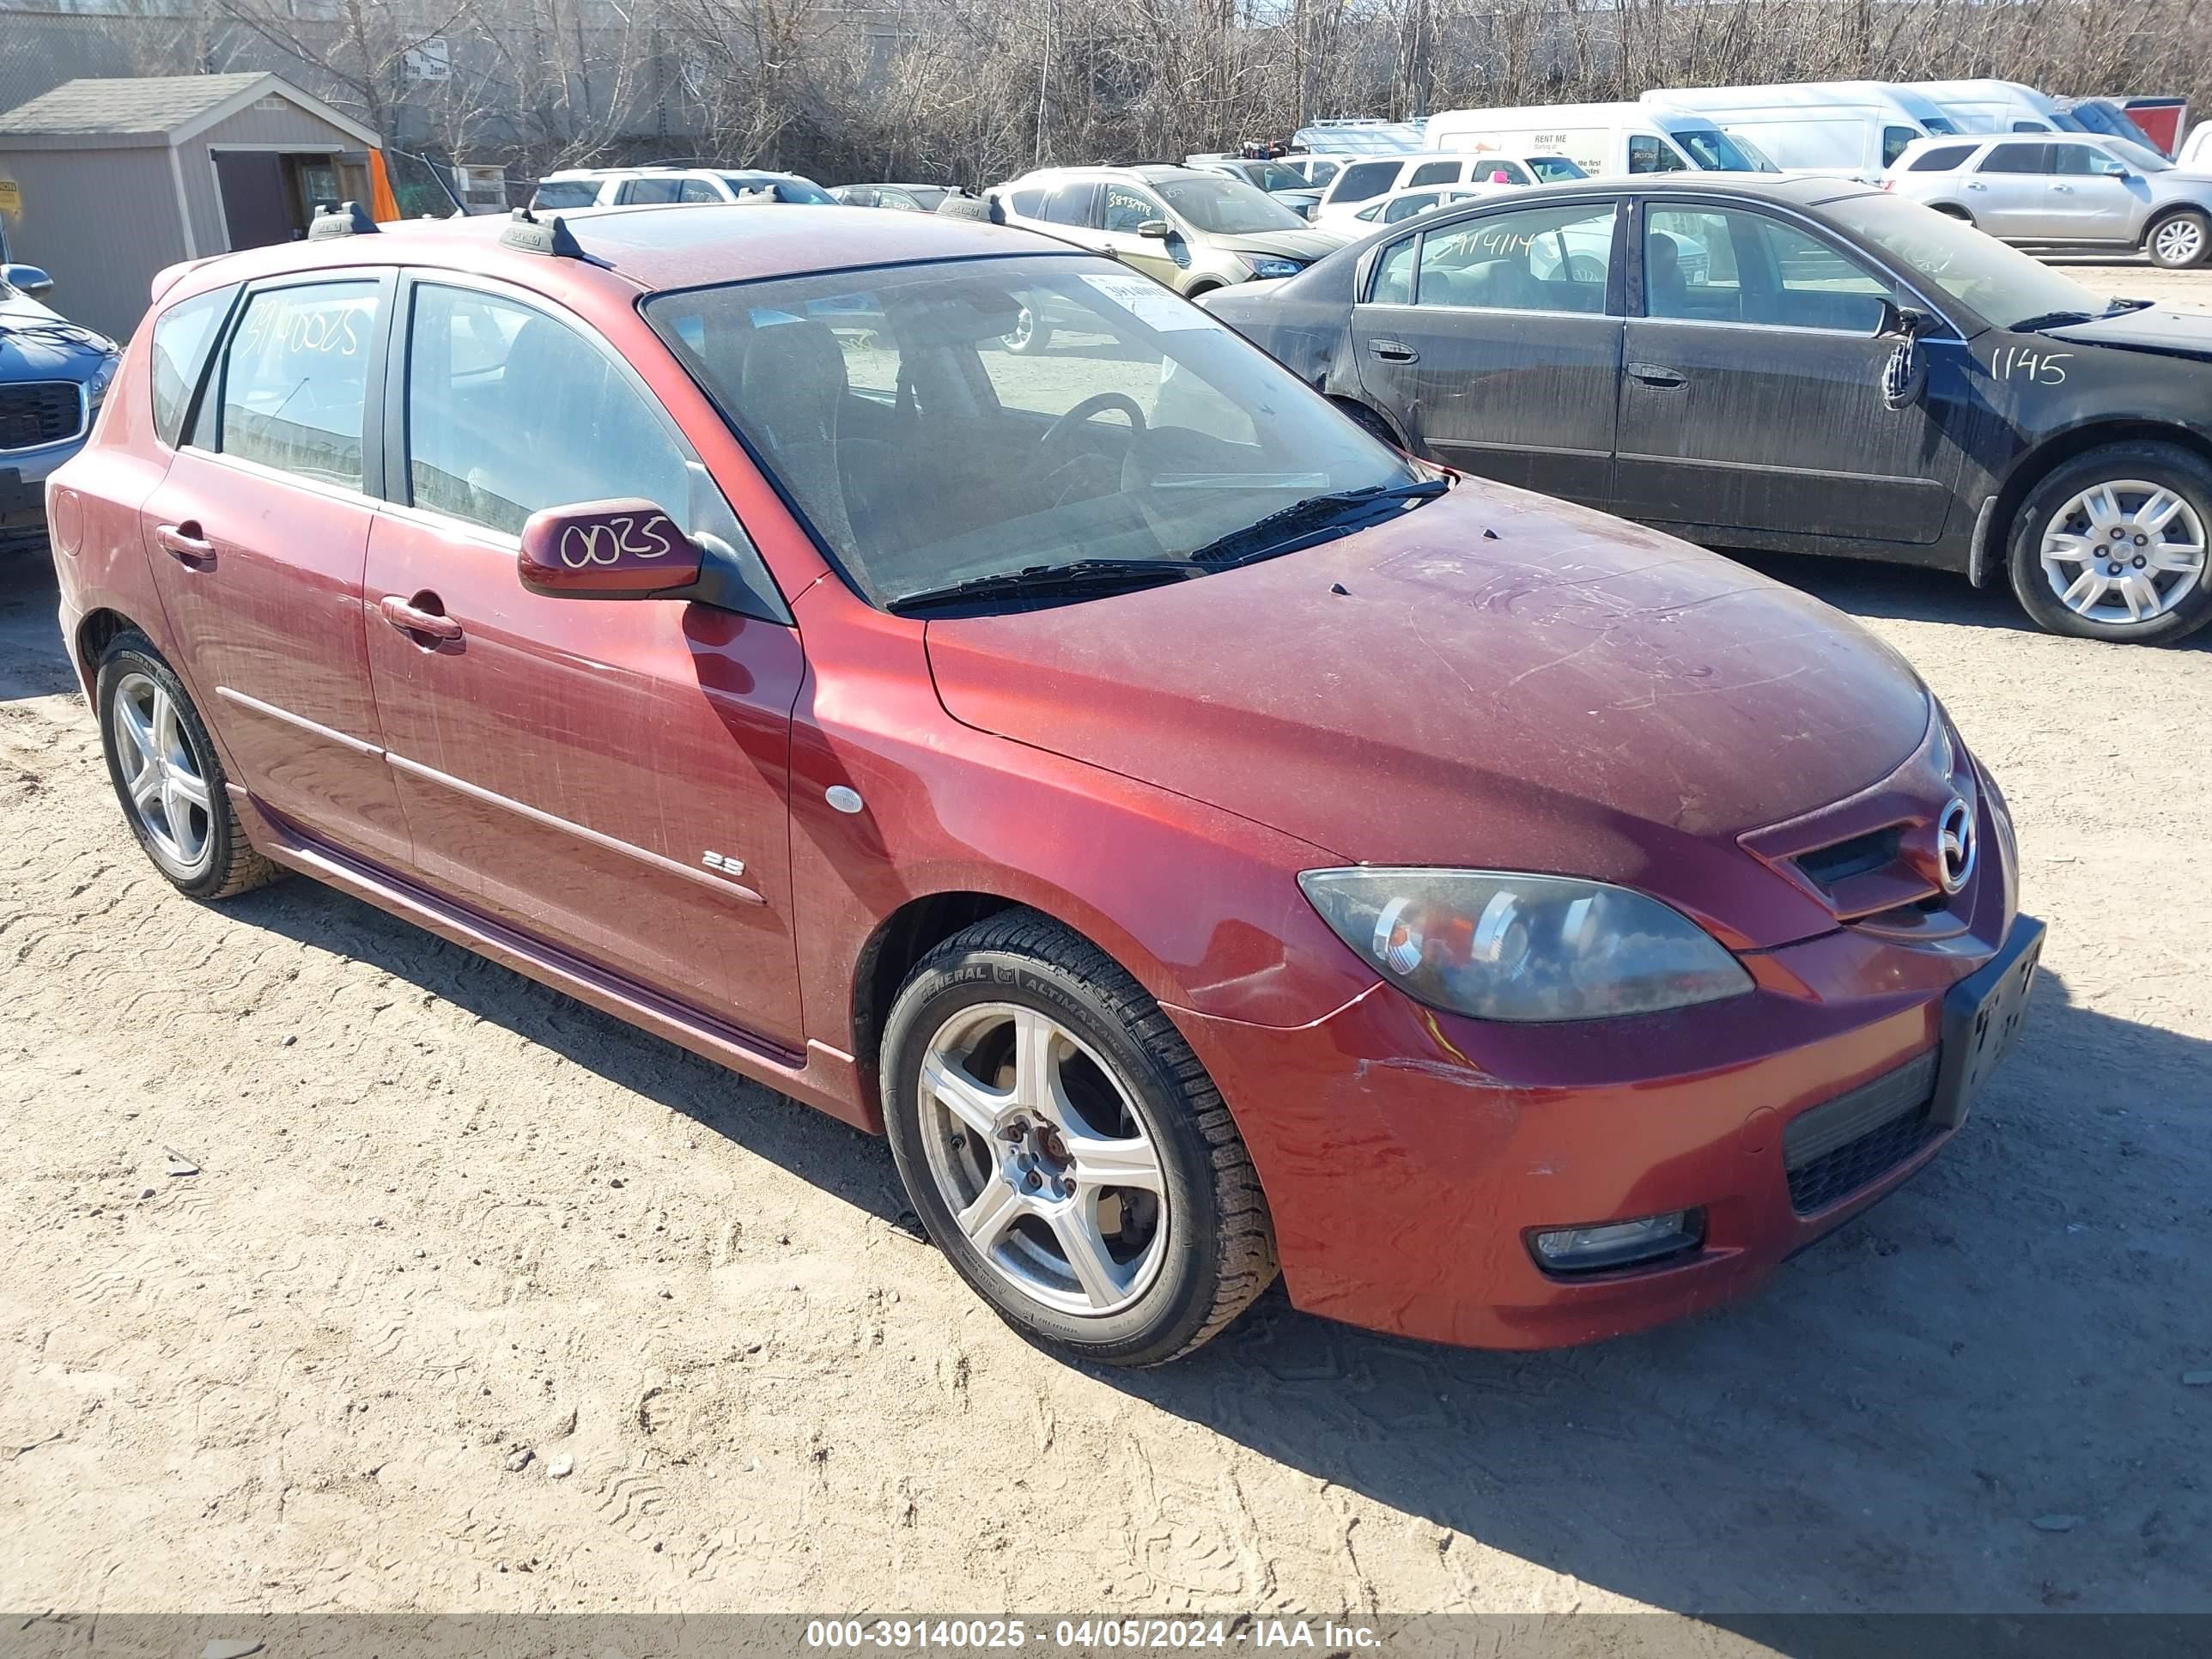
x=944 y=423
x=1272 y=175
x=2002 y=283
x=785 y=190
x=1227 y=207
x=1716 y=152
x=1551 y=169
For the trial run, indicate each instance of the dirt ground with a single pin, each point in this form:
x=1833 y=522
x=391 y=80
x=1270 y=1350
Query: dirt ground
x=477 y=1300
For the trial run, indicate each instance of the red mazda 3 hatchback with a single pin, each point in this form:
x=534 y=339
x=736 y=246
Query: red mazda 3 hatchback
x=1204 y=839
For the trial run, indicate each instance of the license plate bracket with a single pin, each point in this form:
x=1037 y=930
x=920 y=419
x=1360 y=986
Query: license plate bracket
x=1982 y=1017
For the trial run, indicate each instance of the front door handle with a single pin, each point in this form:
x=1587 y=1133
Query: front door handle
x=185 y=543
x=1657 y=374
x=1975 y=184
x=411 y=619
x=1394 y=351
x=2063 y=190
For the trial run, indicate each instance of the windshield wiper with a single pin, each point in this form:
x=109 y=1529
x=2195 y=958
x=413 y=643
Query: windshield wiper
x=1036 y=581
x=1304 y=522
x=2043 y=320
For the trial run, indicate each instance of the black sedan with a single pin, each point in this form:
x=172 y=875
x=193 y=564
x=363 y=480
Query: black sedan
x=1806 y=365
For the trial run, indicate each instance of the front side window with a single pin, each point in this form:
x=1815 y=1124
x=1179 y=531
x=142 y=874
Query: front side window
x=1502 y=170
x=295 y=380
x=1943 y=158
x=1554 y=169
x=924 y=454
x=182 y=336
x=698 y=190
x=1714 y=151
x=1650 y=154
x=1894 y=142
x=2080 y=162
x=1711 y=265
x=2018 y=158
x=1126 y=210
x=510 y=410
x=1552 y=259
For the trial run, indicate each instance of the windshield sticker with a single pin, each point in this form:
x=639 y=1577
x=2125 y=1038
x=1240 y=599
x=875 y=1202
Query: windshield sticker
x=1149 y=303
x=2022 y=363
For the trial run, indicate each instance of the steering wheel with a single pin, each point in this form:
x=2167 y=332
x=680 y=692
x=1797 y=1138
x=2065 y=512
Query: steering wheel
x=1097 y=404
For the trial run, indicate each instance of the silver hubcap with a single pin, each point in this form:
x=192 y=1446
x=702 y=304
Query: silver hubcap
x=2180 y=240
x=1040 y=1155
x=2125 y=552
x=160 y=774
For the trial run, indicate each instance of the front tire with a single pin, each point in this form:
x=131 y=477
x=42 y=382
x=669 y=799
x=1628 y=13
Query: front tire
x=2113 y=545
x=1065 y=1150
x=168 y=777
x=1031 y=335
x=2180 y=240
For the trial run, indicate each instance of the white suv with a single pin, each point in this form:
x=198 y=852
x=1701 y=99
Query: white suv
x=2063 y=190
x=577 y=187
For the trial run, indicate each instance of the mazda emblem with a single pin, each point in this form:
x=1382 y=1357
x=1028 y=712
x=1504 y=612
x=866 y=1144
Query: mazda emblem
x=1954 y=845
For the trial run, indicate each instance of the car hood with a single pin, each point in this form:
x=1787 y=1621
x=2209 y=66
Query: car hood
x=1304 y=246
x=37 y=344
x=1571 y=694
x=2154 y=328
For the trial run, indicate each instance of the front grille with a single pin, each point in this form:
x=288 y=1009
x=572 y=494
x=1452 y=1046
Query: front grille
x=35 y=413
x=1853 y=1140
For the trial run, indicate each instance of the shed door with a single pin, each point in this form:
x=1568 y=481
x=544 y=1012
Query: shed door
x=254 y=210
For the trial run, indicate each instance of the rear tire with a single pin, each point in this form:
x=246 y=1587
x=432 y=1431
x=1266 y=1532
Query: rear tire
x=168 y=777
x=2145 y=509
x=1110 y=1209
x=1958 y=213
x=2180 y=241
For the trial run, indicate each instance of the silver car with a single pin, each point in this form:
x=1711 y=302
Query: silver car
x=2063 y=190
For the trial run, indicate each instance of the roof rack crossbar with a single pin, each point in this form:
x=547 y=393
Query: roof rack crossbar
x=347 y=219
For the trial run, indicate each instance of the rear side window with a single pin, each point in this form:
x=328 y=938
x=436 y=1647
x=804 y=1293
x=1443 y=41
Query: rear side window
x=1491 y=169
x=1406 y=206
x=1944 y=158
x=1550 y=259
x=1070 y=204
x=295 y=380
x=1364 y=180
x=509 y=410
x=1434 y=173
x=182 y=336
x=652 y=190
x=2018 y=158
x=566 y=193
x=1393 y=274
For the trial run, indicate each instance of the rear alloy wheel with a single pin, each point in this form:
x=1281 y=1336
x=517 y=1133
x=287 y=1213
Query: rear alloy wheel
x=2114 y=545
x=2180 y=241
x=1065 y=1150
x=168 y=778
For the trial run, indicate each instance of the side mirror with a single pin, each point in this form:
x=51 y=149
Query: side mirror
x=1902 y=322
x=28 y=280
x=1157 y=229
x=617 y=549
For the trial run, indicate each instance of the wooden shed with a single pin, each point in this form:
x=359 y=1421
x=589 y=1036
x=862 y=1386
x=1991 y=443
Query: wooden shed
x=109 y=181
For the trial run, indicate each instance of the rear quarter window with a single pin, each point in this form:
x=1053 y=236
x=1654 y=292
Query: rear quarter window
x=1363 y=179
x=1944 y=158
x=182 y=335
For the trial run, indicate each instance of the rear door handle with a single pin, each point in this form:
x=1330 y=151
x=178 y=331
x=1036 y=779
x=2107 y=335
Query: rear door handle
x=1973 y=184
x=1656 y=374
x=410 y=618
x=1394 y=351
x=185 y=543
x=2064 y=189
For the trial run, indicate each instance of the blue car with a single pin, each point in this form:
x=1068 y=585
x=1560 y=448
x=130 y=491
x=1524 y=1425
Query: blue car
x=53 y=377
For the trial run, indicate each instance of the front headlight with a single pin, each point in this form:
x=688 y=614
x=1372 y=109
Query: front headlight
x=103 y=378
x=1498 y=946
x=1271 y=268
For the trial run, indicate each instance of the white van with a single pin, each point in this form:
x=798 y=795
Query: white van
x=1995 y=107
x=1599 y=139
x=1361 y=182
x=1851 y=128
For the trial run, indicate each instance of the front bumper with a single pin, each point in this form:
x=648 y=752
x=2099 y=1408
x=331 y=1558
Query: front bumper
x=1408 y=1155
x=23 y=474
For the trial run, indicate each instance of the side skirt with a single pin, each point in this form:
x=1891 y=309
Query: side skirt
x=822 y=1076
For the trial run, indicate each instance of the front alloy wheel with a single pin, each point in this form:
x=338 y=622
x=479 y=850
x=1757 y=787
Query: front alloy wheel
x=2182 y=241
x=1065 y=1150
x=2113 y=545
